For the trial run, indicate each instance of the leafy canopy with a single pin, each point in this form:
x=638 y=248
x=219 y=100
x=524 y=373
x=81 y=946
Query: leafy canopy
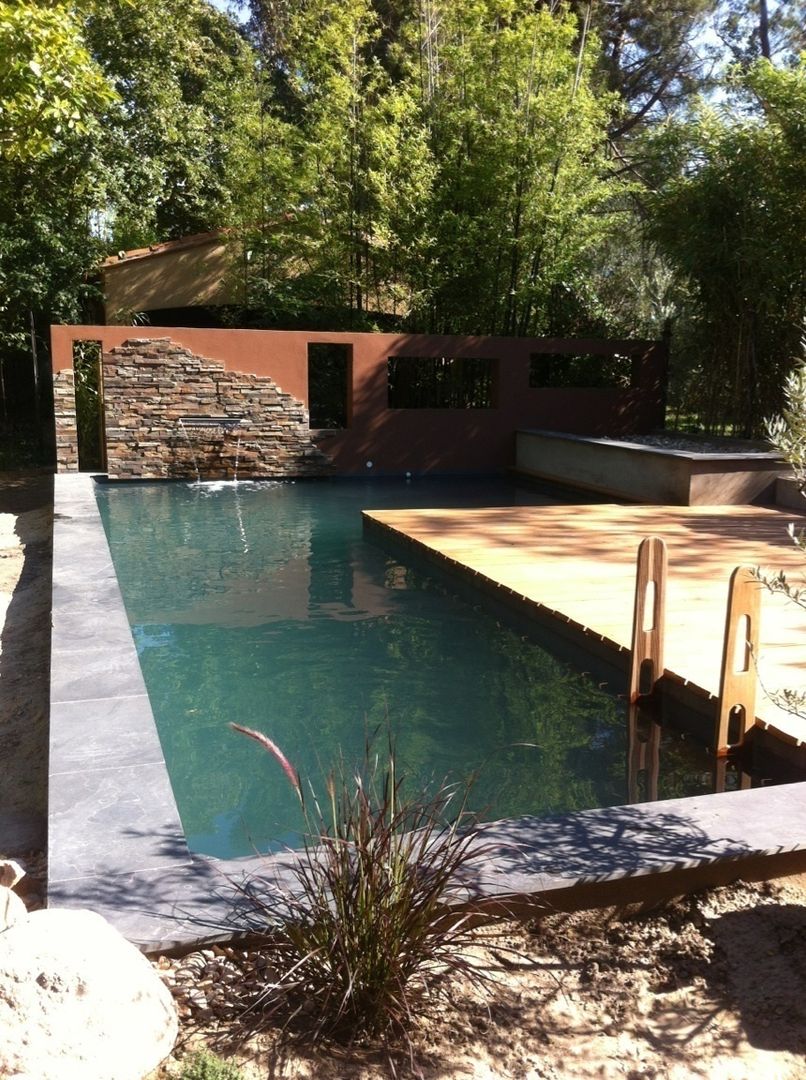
x=733 y=221
x=50 y=86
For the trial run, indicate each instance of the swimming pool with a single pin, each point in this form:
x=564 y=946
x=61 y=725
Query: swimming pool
x=262 y=604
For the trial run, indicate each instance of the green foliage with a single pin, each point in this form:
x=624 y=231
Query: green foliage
x=46 y=247
x=120 y=123
x=787 y=432
x=206 y=1066
x=365 y=930
x=518 y=137
x=733 y=224
x=50 y=87
x=51 y=95
x=178 y=143
x=345 y=207
x=89 y=414
x=450 y=173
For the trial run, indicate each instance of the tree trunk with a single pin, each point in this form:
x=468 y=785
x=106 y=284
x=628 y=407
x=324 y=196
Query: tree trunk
x=764 y=29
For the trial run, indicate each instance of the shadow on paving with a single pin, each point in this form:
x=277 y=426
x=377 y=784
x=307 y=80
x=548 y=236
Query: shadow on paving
x=24 y=667
x=179 y=898
x=181 y=901
x=599 y=844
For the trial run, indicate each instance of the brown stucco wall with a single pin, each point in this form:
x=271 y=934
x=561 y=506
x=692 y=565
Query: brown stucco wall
x=399 y=440
x=194 y=276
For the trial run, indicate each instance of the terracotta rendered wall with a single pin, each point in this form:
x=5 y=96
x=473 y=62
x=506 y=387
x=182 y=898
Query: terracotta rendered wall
x=392 y=440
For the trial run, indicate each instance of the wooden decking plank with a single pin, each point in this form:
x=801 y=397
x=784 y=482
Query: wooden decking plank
x=579 y=561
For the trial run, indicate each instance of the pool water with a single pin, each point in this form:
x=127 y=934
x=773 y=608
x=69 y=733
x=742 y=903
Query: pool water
x=262 y=604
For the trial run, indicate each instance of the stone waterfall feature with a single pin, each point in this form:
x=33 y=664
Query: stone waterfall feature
x=172 y=414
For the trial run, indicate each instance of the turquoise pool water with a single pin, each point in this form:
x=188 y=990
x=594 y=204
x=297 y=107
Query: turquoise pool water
x=263 y=604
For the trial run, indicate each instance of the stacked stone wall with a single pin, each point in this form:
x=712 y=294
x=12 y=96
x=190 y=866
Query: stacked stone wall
x=151 y=384
x=64 y=407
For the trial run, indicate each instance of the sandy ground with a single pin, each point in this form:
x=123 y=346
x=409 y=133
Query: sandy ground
x=712 y=986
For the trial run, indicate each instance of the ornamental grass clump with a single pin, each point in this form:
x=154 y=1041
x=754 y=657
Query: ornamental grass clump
x=367 y=933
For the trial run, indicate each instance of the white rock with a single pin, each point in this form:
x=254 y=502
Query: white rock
x=78 y=1002
x=12 y=909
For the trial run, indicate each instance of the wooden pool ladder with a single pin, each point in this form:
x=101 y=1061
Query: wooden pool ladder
x=649 y=612
x=646 y=667
x=736 y=708
x=736 y=711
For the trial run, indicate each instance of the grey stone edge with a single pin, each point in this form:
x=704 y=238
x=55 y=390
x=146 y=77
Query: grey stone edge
x=116 y=843
x=763 y=458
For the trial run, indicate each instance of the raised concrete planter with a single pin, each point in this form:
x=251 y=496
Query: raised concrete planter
x=648 y=474
x=787 y=494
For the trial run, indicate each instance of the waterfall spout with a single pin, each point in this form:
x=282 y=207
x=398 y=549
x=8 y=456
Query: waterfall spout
x=222 y=424
x=183 y=429
x=237 y=456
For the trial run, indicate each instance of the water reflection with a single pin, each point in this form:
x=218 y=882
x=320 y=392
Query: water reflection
x=645 y=737
x=263 y=604
x=643 y=753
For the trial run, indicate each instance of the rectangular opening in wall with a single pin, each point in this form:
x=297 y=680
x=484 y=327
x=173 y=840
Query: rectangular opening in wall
x=330 y=378
x=441 y=382
x=581 y=371
x=89 y=390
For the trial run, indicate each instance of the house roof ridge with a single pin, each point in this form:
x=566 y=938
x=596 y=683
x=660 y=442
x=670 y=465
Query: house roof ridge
x=163 y=247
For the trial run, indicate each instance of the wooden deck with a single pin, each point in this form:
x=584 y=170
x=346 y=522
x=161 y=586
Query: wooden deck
x=578 y=563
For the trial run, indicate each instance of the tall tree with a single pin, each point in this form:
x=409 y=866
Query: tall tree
x=51 y=93
x=770 y=29
x=652 y=56
x=522 y=194
x=356 y=166
x=119 y=123
x=733 y=222
x=449 y=155
x=179 y=143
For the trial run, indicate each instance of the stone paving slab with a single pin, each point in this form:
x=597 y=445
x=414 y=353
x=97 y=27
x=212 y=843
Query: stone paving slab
x=111 y=809
x=103 y=733
x=86 y=673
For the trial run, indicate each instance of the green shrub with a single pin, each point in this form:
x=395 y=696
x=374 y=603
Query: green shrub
x=367 y=928
x=205 y=1066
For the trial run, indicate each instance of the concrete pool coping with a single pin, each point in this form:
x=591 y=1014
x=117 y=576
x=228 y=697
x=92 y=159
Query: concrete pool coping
x=115 y=838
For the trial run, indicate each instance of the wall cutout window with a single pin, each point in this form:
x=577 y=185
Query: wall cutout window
x=330 y=378
x=89 y=389
x=581 y=371
x=441 y=382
